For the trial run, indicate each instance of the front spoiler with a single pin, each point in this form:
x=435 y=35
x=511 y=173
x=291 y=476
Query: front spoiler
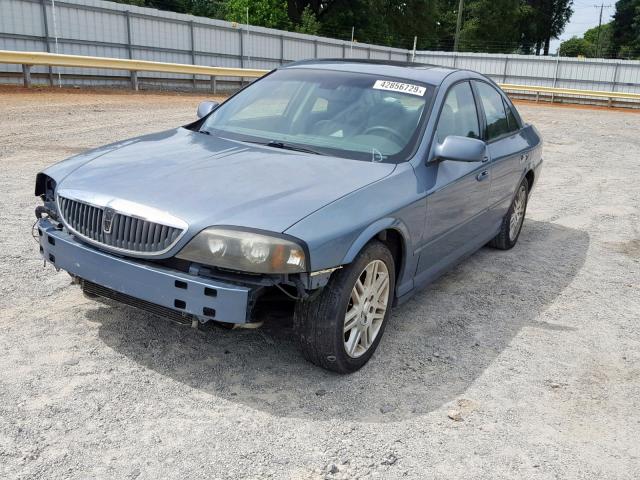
x=204 y=298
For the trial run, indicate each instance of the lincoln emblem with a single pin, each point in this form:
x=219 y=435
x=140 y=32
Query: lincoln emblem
x=107 y=219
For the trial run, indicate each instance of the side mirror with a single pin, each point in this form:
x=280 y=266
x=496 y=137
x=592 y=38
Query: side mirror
x=461 y=149
x=206 y=107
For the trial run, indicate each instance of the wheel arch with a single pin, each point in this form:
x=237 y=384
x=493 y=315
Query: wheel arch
x=530 y=176
x=389 y=231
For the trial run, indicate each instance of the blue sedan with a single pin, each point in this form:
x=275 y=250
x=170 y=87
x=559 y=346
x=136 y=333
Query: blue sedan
x=341 y=186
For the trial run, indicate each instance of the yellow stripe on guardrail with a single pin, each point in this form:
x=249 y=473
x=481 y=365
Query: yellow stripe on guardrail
x=569 y=91
x=58 y=60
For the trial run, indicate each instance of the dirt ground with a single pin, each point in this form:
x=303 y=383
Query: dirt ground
x=536 y=349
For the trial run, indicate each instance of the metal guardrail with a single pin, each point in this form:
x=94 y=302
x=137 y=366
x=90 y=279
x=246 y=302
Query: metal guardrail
x=553 y=91
x=28 y=59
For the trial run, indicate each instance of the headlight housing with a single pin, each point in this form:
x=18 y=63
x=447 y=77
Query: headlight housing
x=246 y=251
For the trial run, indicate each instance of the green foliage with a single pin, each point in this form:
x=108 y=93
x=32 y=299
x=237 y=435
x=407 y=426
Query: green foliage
x=447 y=17
x=180 y=6
x=383 y=22
x=576 y=47
x=543 y=21
x=202 y=8
x=503 y=26
x=602 y=42
x=262 y=13
x=591 y=44
x=491 y=26
x=309 y=24
x=137 y=3
x=626 y=29
x=415 y=17
x=207 y=8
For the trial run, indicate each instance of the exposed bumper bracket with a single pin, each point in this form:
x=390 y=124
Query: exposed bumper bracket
x=204 y=298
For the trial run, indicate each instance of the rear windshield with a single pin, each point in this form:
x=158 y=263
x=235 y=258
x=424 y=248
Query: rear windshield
x=351 y=115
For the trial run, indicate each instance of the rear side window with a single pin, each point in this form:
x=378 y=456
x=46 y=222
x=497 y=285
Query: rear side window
x=511 y=118
x=459 y=116
x=495 y=114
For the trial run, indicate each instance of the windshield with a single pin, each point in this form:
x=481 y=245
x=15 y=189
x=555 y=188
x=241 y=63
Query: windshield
x=351 y=115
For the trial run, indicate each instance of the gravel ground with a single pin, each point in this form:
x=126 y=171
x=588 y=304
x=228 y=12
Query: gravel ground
x=534 y=352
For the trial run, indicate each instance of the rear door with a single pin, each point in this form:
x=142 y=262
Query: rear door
x=507 y=148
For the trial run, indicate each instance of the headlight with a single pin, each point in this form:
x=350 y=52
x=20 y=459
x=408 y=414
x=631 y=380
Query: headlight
x=245 y=251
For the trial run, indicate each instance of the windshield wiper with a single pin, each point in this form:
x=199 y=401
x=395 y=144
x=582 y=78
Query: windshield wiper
x=288 y=146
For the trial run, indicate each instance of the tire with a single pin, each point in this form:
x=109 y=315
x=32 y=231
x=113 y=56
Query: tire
x=507 y=238
x=320 y=321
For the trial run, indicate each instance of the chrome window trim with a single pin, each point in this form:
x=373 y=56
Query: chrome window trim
x=144 y=213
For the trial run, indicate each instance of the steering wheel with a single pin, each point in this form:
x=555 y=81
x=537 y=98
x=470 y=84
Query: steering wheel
x=397 y=137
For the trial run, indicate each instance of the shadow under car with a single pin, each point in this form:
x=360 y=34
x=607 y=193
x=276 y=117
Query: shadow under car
x=436 y=345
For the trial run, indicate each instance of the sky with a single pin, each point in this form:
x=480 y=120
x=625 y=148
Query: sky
x=585 y=16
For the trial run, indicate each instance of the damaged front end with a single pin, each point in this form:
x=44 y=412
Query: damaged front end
x=182 y=290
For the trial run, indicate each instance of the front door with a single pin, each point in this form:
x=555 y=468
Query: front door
x=458 y=196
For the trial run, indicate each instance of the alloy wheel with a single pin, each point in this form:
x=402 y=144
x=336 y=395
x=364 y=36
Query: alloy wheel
x=366 y=309
x=517 y=215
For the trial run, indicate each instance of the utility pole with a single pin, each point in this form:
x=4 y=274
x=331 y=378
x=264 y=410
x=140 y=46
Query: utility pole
x=458 y=26
x=598 y=35
x=602 y=6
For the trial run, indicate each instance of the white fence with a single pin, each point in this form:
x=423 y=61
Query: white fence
x=559 y=72
x=99 y=28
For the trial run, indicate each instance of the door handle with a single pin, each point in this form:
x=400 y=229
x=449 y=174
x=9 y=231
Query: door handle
x=524 y=157
x=481 y=176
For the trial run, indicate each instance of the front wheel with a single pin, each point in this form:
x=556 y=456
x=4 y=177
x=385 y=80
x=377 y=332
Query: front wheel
x=340 y=328
x=513 y=220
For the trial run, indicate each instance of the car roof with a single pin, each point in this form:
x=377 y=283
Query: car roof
x=430 y=74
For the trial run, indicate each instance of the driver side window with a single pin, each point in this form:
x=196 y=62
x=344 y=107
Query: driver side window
x=458 y=115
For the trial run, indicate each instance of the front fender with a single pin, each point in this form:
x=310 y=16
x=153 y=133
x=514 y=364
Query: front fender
x=337 y=232
x=371 y=231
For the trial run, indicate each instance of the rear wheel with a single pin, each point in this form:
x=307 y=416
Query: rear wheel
x=513 y=220
x=340 y=328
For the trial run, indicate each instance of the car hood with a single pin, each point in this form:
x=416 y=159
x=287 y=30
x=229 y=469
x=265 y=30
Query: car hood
x=206 y=180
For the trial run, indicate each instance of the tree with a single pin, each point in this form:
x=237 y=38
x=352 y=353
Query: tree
x=309 y=24
x=491 y=26
x=545 y=20
x=576 y=47
x=180 y=6
x=601 y=41
x=207 y=8
x=201 y=8
x=262 y=13
x=626 y=29
x=503 y=26
x=592 y=44
x=447 y=17
x=383 y=22
x=137 y=3
x=414 y=18
x=295 y=8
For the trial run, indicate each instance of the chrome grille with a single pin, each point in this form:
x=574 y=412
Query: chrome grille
x=127 y=233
